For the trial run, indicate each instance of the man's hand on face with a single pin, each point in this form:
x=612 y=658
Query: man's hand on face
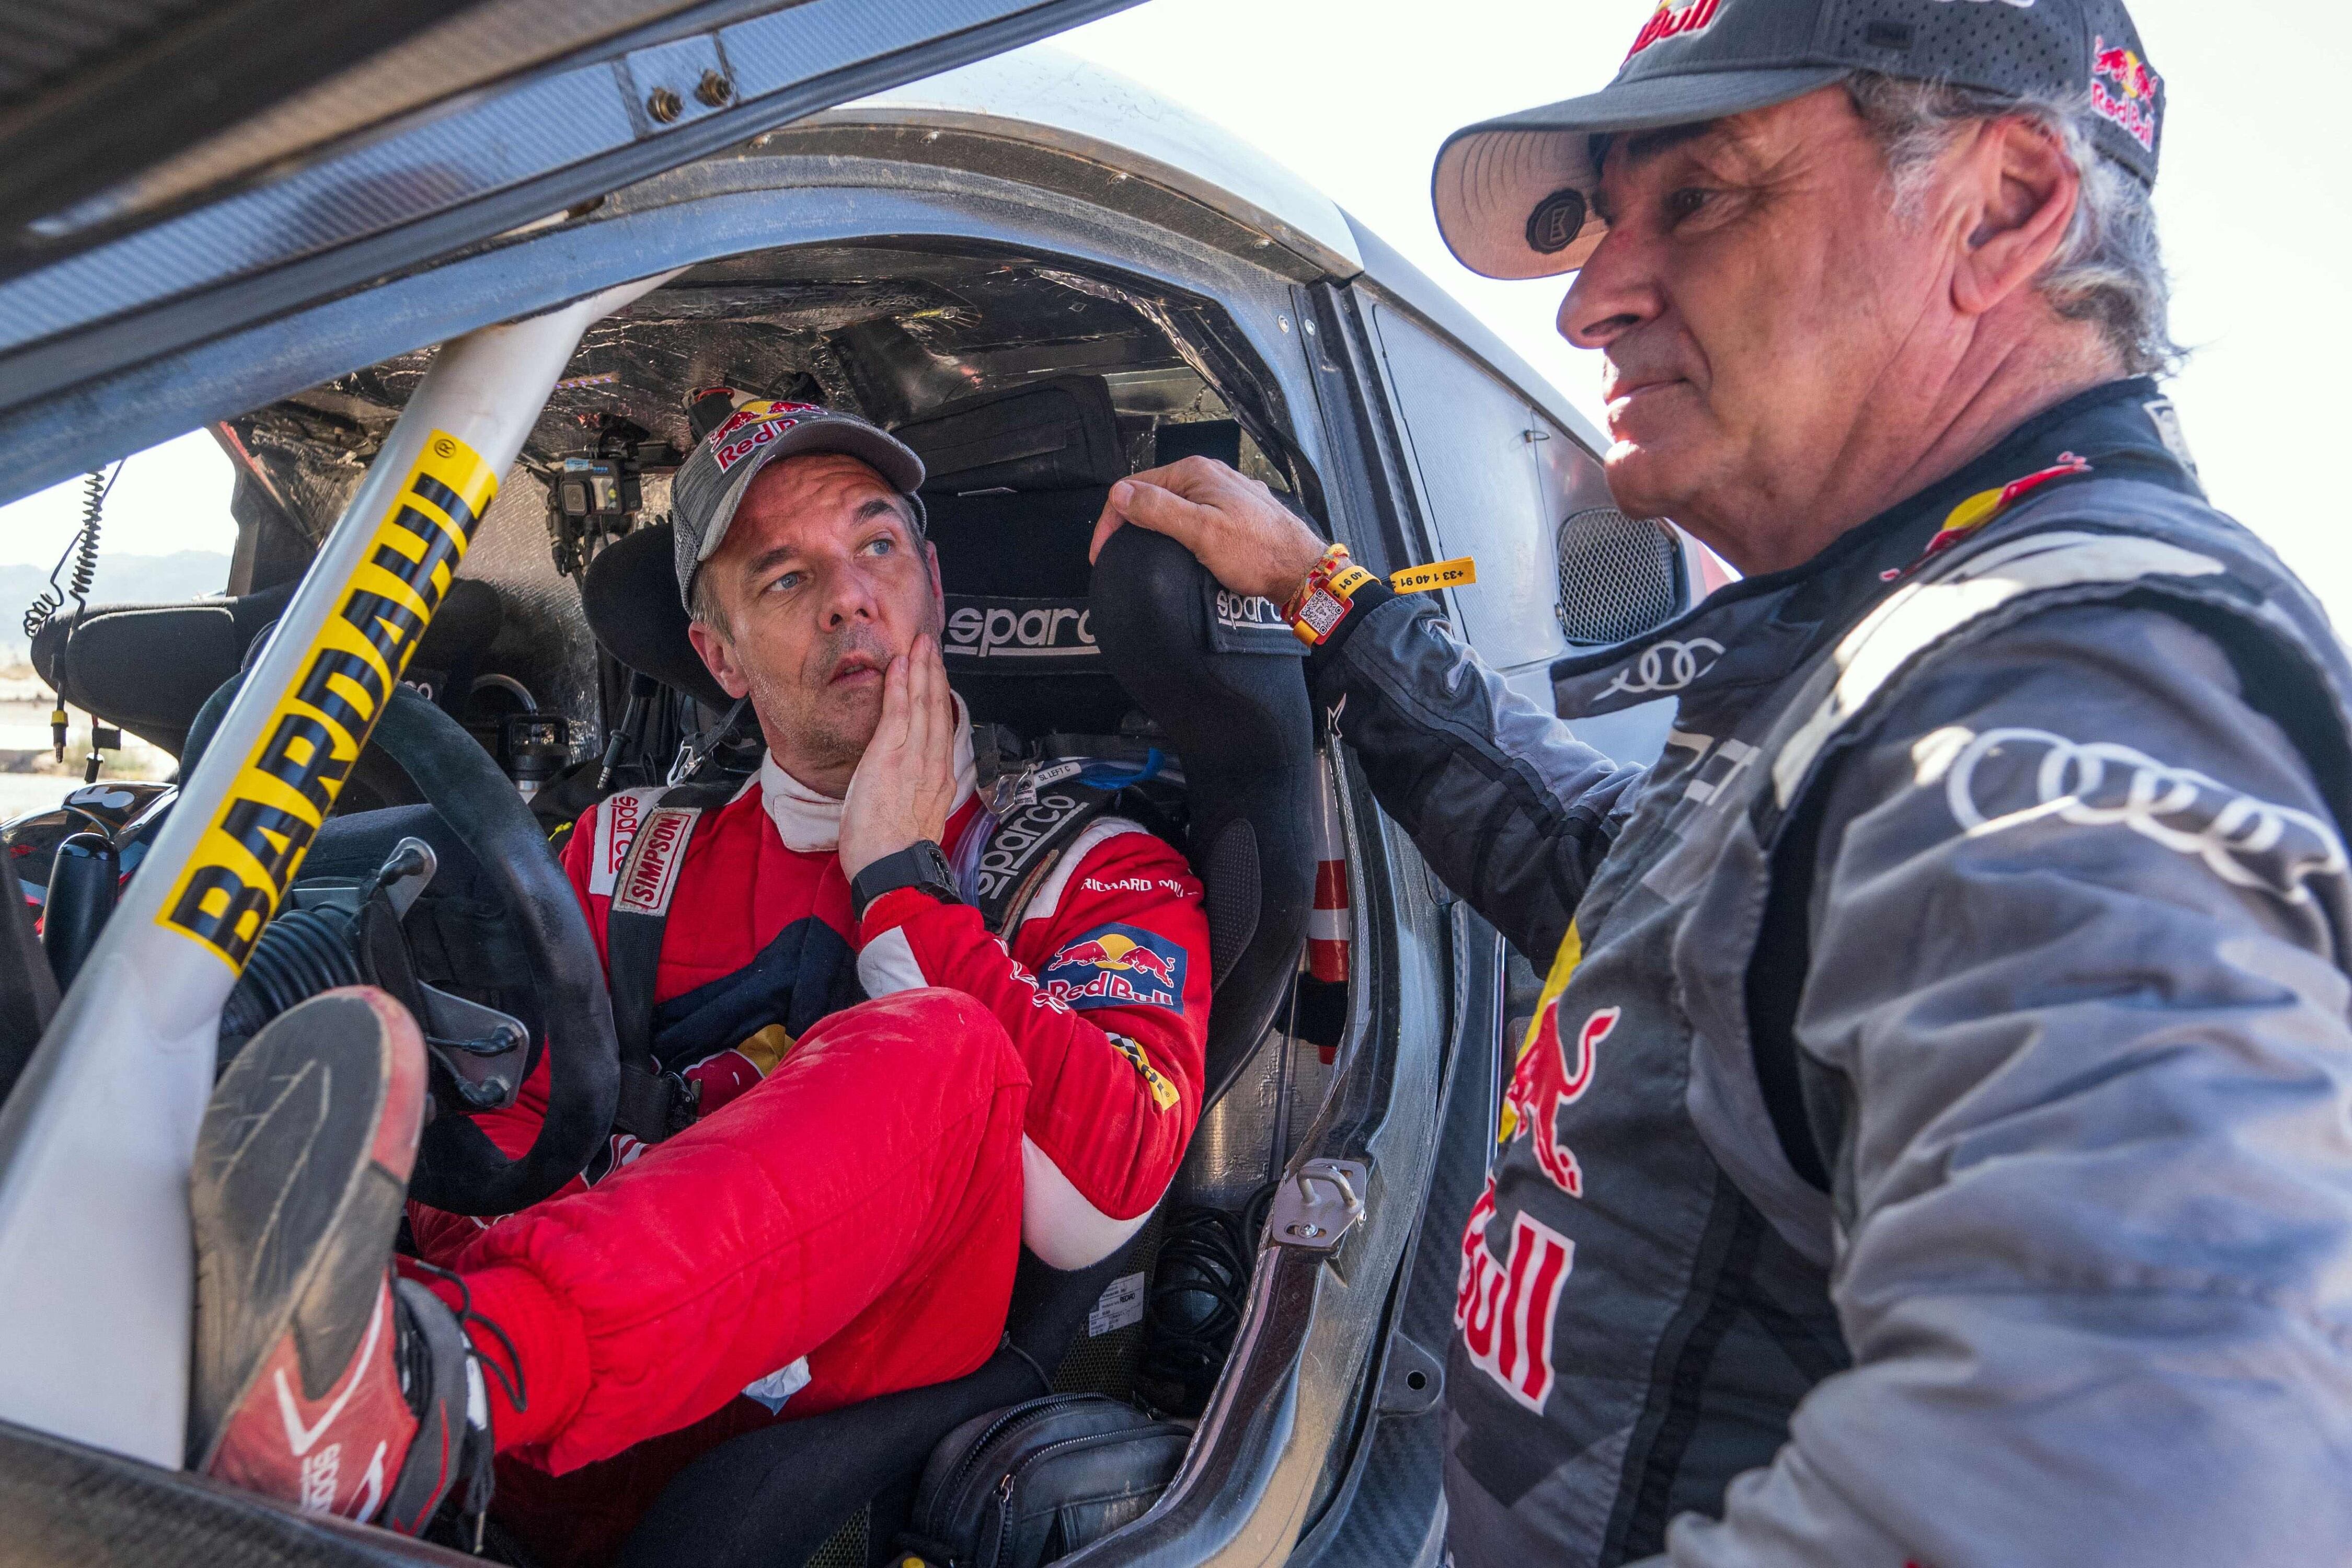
x=905 y=785
x=1249 y=541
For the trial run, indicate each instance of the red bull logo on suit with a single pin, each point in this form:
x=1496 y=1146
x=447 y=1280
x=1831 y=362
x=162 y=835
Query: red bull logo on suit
x=1117 y=966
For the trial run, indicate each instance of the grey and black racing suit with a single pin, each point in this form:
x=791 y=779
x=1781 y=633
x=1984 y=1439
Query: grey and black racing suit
x=1934 y=1144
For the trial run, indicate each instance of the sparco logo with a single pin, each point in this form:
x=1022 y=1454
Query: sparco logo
x=1667 y=666
x=1249 y=613
x=1020 y=628
x=1017 y=838
x=2247 y=842
x=620 y=829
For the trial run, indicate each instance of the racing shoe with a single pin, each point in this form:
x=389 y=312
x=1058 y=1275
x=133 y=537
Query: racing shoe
x=321 y=1378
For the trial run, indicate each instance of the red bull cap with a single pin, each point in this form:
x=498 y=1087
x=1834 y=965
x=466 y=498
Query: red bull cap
x=739 y=435
x=1514 y=194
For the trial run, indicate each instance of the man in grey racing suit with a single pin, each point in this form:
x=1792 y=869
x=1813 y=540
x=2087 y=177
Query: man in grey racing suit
x=1934 y=1144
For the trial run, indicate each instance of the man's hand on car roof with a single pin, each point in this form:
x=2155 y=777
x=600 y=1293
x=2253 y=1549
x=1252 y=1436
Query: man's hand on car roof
x=1248 y=540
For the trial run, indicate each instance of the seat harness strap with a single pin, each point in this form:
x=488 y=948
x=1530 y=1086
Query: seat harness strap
x=1014 y=862
x=654 y=1104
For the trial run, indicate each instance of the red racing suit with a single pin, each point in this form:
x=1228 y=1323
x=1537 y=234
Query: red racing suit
x=626 y=1293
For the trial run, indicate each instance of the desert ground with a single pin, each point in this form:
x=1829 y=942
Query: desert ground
x=31 y=778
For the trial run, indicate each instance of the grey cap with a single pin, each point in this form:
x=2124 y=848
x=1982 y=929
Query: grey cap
x=1514 y=194
x=709 y=485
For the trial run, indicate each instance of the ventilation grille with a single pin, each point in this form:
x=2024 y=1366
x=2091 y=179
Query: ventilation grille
x=1618 y=577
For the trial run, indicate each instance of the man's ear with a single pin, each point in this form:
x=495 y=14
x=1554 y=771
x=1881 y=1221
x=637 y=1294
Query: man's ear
x=2024 y=190
x=719 y=657
x=939 y=593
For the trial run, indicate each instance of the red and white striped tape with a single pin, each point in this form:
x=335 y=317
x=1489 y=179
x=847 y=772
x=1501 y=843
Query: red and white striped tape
x=1329 y=928
x=1329 y=924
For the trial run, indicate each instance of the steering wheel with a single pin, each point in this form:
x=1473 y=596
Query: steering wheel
x=458 y=1169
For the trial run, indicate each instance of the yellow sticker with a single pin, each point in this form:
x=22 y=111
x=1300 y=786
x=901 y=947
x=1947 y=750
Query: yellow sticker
x=248 y=855
x=1460 y=571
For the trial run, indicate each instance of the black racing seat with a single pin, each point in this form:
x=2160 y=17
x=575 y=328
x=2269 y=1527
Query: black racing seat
x=149 y=668
x=1146 y=634
x=1045 y=643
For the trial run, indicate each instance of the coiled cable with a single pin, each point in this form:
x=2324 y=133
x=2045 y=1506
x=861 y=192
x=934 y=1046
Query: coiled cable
x=81 y=549
x=1198 y=1286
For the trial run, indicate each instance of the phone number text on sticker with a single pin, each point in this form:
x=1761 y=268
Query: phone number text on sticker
x=234 y=881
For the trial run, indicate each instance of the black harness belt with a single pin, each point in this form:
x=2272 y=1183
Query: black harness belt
x=656 y=1103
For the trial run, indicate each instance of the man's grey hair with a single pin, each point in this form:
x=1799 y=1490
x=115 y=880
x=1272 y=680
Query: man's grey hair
x=703 y=604
x=2110 y=269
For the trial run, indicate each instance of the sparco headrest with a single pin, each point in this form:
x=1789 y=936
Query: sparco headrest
x=1223 y=678
x=629 y=594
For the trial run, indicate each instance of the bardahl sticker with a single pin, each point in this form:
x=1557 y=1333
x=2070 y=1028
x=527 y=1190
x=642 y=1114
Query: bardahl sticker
x=248 y=857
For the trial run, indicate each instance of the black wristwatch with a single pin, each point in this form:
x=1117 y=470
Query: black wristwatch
x=921 y=864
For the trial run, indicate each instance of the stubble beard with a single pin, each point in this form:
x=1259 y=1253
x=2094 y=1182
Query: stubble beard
x=828 y=730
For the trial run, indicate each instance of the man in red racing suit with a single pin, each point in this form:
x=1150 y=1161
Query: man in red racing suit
x=891 y=1100
x=761 y=953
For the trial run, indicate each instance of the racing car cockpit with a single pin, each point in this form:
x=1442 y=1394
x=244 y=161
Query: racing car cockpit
x=553 y=669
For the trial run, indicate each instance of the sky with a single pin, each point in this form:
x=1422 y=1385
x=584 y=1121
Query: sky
x=2253 y=200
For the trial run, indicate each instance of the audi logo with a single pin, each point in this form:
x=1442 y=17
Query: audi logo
x=2247 y=842
x=1666 y=666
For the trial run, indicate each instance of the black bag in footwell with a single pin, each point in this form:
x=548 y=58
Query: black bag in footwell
x=1032 y=1483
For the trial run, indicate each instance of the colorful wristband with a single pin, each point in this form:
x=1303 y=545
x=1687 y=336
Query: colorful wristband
x=1326 y=595
x=1322 y=600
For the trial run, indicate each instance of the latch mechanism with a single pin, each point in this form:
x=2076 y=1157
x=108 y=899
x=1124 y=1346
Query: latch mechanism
x=1320 y=1204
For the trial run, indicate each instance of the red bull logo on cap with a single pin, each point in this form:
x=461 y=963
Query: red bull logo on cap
x=1117 y=966
x=760 y=423
x=1676 y=19
x=2124 y=90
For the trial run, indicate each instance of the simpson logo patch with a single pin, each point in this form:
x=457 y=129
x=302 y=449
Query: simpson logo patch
x=649 y=874
x=2167 y=420
x=1163 y=1093
x=1117 y=966
x=241 y=867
